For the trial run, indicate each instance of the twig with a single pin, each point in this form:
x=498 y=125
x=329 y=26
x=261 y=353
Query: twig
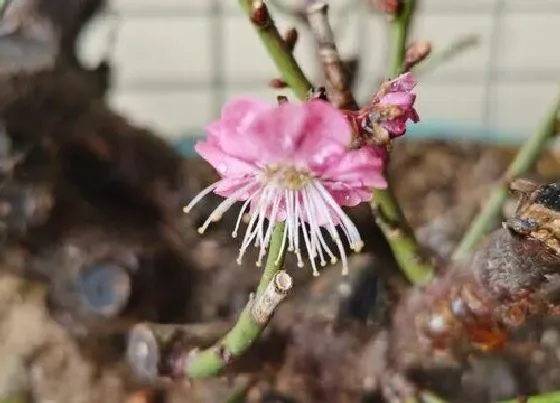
x=292 y=74
x=551 y=397
x=408 y=253
x=453 y=50
x=524 y=162
x=338 y=88
x=474 y=307
x=273 y=288
x=400 y=29
x=14 y=399
x=389 y=216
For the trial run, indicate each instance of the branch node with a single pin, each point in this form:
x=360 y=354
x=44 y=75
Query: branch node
x=259 y=15
x=265 y=304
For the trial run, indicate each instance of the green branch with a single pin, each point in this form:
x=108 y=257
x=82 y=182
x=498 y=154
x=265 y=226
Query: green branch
x=523 y=163
x=277 y=49
x=400 y=27
x=552 y=397
x=388 y=214
x=408 y=253
x=246 y=331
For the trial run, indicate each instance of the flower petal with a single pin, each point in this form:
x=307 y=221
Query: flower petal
x=308 y=134
x=238 y=113
x=327 y=134
x=277 y=132
x=352 y=196
x=229 y=131
x=402 y=99
x=404 y=82
x=225 y=164
x=357 y=168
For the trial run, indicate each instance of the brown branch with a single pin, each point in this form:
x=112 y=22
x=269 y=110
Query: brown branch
x=338 y=85
x=156 y=350
x=474 y=308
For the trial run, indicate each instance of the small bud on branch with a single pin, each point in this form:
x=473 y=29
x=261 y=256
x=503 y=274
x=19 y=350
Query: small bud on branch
x=390 y=7
x=416 y=52
x=291 y=37
x=259 y=14
x=277 y=84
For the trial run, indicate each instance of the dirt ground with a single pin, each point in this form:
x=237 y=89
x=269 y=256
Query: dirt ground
x=48 y=356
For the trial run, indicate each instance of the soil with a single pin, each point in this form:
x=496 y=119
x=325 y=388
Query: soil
x=49 y=356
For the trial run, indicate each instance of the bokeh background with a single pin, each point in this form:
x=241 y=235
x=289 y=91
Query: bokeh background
x=177 y=61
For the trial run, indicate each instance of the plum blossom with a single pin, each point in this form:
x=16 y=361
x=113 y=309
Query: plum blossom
x=387 y=114
x=394 y=104
x=289 y=162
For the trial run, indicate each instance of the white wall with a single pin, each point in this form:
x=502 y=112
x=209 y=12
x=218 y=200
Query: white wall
x=177 y=60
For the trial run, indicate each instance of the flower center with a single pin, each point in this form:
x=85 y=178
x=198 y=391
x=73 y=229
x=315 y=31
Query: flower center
x=287 y=176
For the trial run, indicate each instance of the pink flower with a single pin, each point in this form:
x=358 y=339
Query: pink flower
x=394 y=104
x=291 y=163
x=385 y=117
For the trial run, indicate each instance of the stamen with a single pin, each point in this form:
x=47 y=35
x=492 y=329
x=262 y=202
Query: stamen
x=256 y=223
x=267 y=196
x=271 y=224
x=223 y=207
x=326 y=197
x=241 y=213
x=281 y=253
x=316 y=228
x=249 y=235
x=315 y=201
x=296 y=229
x=354 y=238
x=289 y=226
x=310 y=251
x=200 y=196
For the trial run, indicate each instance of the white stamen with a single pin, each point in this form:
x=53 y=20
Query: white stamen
x=352 y=232
x=224 y=206
x=268 y=233
x=307 y=205
x=241 y=213
x=316 y=229
x=283 y=246
x=200 y=196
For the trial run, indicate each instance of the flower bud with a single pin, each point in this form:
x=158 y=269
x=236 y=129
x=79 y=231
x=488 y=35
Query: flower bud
x=390 y=7
x=416 y=52
x=259 y=14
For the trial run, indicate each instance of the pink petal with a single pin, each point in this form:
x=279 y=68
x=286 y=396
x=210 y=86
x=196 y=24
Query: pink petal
x=396 y=126
x=404 y=82
x=327 y=135
x=277 y=132
x=238 y=113
x=225 y=164
x=351 y=197
x=227 y=186
x=229 y=131
x=362 y=167
x=308 y=134
x=402 y=99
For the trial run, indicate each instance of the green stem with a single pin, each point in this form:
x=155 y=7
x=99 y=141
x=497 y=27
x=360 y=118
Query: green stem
x=389 y=216
x=246 y=331
x=401 y=239
x=400 y=28
x=552 y=397
x=280 y=54
x=523 y=163
x=14 y=399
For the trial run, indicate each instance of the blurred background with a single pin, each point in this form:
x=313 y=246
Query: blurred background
x=177 y=61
